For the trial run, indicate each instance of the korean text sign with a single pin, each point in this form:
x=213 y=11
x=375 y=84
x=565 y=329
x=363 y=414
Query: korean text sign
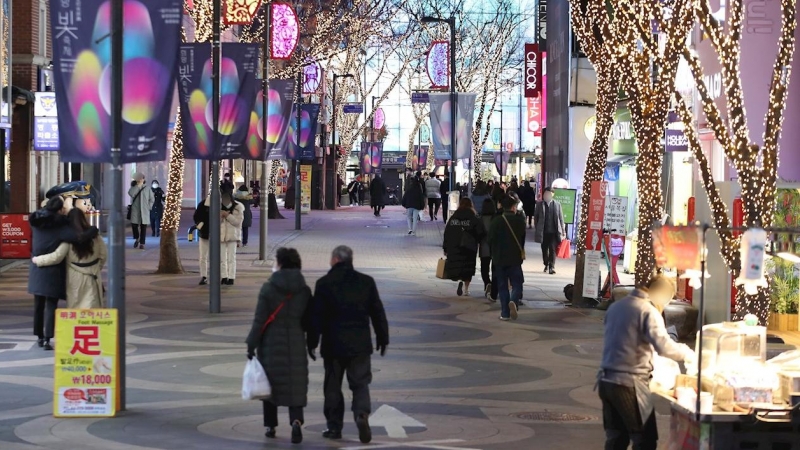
x=86 y=373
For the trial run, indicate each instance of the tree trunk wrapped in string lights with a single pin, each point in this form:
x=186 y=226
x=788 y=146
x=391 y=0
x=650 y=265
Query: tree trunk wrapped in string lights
x=756 y=165
x=588 y=16
x=169 y=260
x=648 y=76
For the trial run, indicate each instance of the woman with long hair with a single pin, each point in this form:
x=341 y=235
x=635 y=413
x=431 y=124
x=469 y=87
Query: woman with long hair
x=462 y=236
x=278 y=339
x=85 y=261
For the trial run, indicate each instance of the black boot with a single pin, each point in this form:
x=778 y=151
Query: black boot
x=47 y=346
x=332 y=434
x=203 y=281
x=364 y=431
x=297 y=432
x=270 y=432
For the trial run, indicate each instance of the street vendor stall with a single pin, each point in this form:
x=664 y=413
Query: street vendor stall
x=745 y=401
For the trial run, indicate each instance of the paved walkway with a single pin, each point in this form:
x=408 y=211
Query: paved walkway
x=464 y=379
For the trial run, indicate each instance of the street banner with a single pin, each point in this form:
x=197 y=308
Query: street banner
x=86 y=370
x=616 y=214
x=371 y=157
x=501 y=162
x=566 y=198
x=533 y=71
x=441 y=123
x=237 y=86
x=82 y=70
x=15 y=236
x=535 y=115
x=309 y=114
x=280 y=103
x=45 y=122
x=420 y=161
x=305 y=188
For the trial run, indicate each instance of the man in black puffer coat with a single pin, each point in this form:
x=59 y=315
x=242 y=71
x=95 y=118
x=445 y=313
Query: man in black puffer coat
x=345 y=301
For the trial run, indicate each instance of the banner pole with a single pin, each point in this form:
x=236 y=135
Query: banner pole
x=116 y=265
x=263 y=225
x=214 y=238
x=297 y=187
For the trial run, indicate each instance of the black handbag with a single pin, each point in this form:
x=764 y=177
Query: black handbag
x=134 y=201
x=468 y=241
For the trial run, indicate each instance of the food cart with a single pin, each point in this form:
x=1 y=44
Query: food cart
x=745 y=401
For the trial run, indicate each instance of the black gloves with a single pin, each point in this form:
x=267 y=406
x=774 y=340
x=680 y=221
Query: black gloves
x=381 y=348
x=311 y=354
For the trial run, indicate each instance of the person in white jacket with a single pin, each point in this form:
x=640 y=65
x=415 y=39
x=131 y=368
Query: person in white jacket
x=85 y=263
x=231 y=218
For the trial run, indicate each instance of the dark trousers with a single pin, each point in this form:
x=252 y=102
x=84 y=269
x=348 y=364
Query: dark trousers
x=44 y=316
x=245 y=235
x=155 y=222
x=434 y=202
x=622 y=420
x=506 y=275
x=486 y=269
x=359 y=376
x=530 y=219
x=444 y=212
x=139 y=232
x=271 y=414
x=550 y=243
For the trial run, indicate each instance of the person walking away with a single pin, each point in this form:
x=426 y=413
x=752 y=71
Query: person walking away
x=231 y=218
x=85 y=261
x=433 y=192
x=444 y=188
x=414 y=201
x=488 y=212
x=157 y=213
x=528 y=196
x=278 y=338
x=507 y=244
x=243 y=196
x=49 y=228
x=462 y=237
x=479 y=194
x=345 y=302
x=634 y=328
x=352 y=191
x=377 y=195
x=201 y=219
x=549 y=229
x=141 y=204
x=498 y=192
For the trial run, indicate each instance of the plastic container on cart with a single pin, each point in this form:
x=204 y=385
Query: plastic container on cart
x=732 y=344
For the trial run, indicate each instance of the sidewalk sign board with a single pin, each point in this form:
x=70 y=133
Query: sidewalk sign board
x=566 y=198
x=593 y=241
x=305 y=186
x=86 y=381
x=15 y=236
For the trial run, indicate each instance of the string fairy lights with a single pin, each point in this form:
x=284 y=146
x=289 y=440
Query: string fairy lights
x=756 y=165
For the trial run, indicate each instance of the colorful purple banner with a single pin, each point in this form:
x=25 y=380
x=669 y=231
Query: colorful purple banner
x=441 y=124
x=501 y=162
x=82 y=71
x=371 y=157
x=309 y=114
x=420 y=161
x=237 y=85
x=279 y=112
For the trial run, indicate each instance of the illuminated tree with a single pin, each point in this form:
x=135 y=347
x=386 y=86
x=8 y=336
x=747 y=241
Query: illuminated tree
x=756 y=165
x=590 y=22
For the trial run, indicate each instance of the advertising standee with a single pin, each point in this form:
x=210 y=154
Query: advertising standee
x=15 y=236
x=86 y=372
x=593 y=243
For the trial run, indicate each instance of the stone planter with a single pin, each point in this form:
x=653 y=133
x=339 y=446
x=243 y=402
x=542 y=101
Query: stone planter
x=783 y=322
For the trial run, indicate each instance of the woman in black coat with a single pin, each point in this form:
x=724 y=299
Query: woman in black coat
x=462 y=236
x=50 y=227
x=281 y=343
x=528 y=197
x=377 y=192
x=157 y=213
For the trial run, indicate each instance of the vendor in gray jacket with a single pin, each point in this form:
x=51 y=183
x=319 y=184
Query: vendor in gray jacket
x=633 y=329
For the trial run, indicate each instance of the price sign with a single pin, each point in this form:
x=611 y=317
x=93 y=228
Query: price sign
x=86 y=373
x=616 y=214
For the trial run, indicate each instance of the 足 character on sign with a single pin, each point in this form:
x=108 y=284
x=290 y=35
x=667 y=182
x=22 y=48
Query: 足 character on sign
x=87 y=341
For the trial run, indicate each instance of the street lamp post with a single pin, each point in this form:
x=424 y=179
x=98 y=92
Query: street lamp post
x=263 y=199
x=451 y=21
x=333 y=138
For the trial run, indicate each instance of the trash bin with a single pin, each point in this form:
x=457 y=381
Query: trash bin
x=631 y=251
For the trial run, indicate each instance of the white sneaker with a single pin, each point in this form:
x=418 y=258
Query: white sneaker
x=514 y=313
x=504 y=319
x=466 y=293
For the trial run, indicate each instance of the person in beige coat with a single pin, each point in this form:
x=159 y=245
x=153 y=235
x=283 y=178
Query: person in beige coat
x=231 y=218
x=85 y=262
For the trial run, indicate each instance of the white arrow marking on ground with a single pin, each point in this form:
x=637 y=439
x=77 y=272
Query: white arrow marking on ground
x=394 y=421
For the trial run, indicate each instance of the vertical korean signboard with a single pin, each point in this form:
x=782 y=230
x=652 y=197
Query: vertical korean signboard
x=594 y=233
x=86 y=373
x=305 y=188
x=45 y=122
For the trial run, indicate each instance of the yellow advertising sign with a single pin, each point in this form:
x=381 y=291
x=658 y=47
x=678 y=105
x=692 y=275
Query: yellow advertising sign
x=305 y=189
x=86 y=374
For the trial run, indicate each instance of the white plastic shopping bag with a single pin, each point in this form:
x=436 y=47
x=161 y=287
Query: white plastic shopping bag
x=255 y=385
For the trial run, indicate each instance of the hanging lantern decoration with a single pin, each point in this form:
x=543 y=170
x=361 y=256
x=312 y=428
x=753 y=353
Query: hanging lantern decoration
x=239 y=12
x=379 y=120
x=753 y=249
x=438 y=64
x=312 y=78
x=284 y=31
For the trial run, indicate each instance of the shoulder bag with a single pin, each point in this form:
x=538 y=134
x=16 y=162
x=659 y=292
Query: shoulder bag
x=134 y=201
x=522 y=250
